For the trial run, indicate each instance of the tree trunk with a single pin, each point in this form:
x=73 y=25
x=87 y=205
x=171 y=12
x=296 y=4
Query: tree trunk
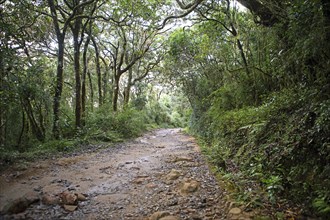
x=98 y=71
x=127 y=89
x=115 y=94
x=107 y=82
x=20 y=138
x=267 y=17
x=245 y=63
x=41 y=120
x=59 y=72
x=326 y=14
x=58 y=87
x=2 y=109
x=36 y=129
x=76 y=59
x=91 y=89
x=83 y=82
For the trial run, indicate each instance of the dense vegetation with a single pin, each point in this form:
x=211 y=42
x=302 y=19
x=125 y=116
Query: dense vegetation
x=260 y=98
x=75 y=72
x=257 y=81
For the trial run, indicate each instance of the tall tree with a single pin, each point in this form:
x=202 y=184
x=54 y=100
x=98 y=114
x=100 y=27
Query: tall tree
x=60 y=35
x=64 y=15
x=78 y=28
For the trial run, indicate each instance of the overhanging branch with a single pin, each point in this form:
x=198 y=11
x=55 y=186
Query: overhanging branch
x=190 y=8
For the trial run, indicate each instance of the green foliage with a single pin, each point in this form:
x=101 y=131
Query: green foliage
x=38 y=150
x=165 y=108
x=105 y=125
x=322 y=205
x=280 y=146
x=265 y=125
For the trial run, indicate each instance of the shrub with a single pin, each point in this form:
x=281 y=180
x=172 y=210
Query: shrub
x=282 y=146
x=106 y=125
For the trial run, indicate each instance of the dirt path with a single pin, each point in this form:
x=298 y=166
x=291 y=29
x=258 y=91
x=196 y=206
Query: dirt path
x=159 y=174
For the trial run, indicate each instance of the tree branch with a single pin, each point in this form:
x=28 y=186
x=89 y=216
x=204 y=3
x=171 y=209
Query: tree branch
x=190 y=9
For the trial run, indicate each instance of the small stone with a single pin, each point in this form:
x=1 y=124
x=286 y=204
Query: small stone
x=32 y=197
x=138 y=181
x=196 y=217
x=50 y=199
x=191 y=210
x=37 y=188
x=34 y=178
x=183 y=158
x=189 y=187
x=172 y=202
x=70 y=208
x=81 y=197
x=158 y=215
x=68 y=198
x=235 y=211
x=151 y=185
x=173 y=175
x=71 y=188
x=170 y=217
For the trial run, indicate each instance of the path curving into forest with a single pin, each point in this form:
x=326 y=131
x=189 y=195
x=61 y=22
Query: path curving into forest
x=161 y=175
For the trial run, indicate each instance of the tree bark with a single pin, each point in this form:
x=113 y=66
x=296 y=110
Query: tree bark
x=326 y=15
x=115 y=93
x=267 y=17
x=20 y=138
x=83 y=82
x=36 y=129
x=2 y=109
x=98 y=71
x=127 y=90
x=58 y=86
x=91 y=90
x=78 y=82
x=105 y=81
x=59 y=71
x=76 y=28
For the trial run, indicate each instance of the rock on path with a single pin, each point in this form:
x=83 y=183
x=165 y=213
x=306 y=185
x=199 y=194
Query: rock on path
x=160 y=176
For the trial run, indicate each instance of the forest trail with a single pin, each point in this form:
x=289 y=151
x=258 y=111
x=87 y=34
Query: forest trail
x=161 y=175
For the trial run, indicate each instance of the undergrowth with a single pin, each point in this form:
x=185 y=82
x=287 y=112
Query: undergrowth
x=277 y=153
x=101 y=127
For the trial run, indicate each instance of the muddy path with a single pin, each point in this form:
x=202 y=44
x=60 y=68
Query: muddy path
x=161 y=175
